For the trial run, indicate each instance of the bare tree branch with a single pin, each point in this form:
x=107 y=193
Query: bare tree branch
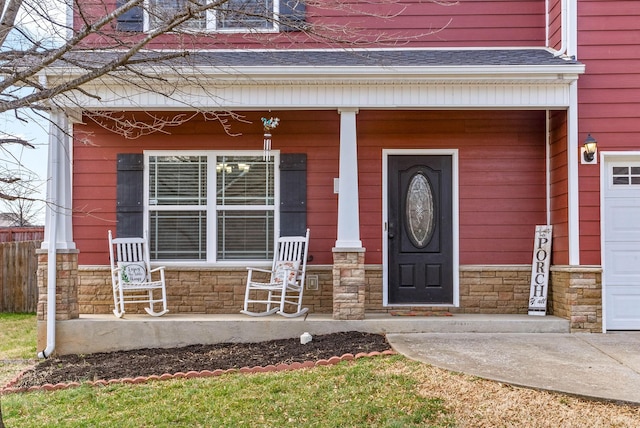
x=48 y=62
x=14 y=140
x=9 y=14
x=125 y=48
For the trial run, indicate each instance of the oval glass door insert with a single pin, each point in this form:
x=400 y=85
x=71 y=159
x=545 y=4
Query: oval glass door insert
x=419 y=211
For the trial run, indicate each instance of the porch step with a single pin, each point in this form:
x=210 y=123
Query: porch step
x=106 y=333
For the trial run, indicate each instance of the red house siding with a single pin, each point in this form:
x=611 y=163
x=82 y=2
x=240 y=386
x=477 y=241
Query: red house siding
x=502 y=178
x=559 y=188
x=609 y=99
x=96 y=149
x=464 y=23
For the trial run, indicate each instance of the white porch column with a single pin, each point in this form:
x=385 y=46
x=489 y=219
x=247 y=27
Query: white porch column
x=348 y=207
x=59 y=205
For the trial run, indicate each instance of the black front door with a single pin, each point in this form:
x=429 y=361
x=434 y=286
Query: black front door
x=420 y=229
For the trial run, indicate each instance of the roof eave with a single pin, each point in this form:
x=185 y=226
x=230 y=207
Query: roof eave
x=362 y=74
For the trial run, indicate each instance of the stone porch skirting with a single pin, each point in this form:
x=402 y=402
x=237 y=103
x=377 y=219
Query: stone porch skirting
x=575 y=292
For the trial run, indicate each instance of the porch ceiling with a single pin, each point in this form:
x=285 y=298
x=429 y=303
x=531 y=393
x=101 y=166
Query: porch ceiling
x=329 y=79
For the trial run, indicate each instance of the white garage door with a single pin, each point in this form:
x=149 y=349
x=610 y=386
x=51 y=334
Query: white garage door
x=621 y=270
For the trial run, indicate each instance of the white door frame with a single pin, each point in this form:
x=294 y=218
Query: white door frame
x=455 y=220
x=606 y=157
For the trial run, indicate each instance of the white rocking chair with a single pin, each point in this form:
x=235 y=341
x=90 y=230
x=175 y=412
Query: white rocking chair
x=131 y=276
x=286 y=280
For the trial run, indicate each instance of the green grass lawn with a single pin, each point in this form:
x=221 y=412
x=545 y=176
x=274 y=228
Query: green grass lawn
x=366 y=392
x=17 y=336
x=389 y=391
x=17 y=344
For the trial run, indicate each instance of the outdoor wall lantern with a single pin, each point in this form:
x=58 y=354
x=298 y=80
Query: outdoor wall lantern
x=589 y=149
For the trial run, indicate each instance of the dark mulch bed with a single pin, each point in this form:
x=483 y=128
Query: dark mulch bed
x=147 y=362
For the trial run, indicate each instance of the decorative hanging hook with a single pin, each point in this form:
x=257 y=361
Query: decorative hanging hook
x=268 y=125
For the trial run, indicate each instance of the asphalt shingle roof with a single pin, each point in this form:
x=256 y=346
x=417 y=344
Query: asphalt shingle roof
x=341 y=57
x=388 y=58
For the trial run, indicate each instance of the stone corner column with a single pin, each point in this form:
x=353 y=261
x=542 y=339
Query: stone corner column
x=576 y=295
x=66 y=284
x=348 y=283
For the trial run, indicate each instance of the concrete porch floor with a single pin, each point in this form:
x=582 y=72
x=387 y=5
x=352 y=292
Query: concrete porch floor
x=106 y=333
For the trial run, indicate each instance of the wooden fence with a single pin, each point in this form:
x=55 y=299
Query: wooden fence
x=11 y=234
x=18 y=276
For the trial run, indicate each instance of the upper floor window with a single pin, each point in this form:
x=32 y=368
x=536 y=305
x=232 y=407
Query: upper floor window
x=161 y=11
x=231 y=15
x=246 y=14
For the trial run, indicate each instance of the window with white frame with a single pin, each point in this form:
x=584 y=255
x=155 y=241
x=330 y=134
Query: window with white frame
x=627 y=175
x=214 y=207
x=237 y=14
x=230 y=15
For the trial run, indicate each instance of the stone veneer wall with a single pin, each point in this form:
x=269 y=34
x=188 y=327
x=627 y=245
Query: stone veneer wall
x=198 y=290
x=483 y=289
x=66 y=284
x=575 y=293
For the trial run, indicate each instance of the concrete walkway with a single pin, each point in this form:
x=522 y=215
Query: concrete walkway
x=601 y=366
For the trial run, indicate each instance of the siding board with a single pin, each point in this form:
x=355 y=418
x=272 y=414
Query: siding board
x=608 y=8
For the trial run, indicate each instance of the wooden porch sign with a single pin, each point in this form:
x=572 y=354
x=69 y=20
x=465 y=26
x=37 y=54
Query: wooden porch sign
x=540 y=271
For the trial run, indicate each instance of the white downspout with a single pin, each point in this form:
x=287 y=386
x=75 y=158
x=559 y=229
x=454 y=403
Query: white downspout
x=55 y=142
x=51 y=287
x=57 y=132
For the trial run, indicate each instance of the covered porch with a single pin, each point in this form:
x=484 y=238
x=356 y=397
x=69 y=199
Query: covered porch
x=421 y=80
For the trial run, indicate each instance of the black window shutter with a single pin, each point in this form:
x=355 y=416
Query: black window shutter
x=293 y=194
x=131 y=20
x=292 y=15
x=129 y=193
